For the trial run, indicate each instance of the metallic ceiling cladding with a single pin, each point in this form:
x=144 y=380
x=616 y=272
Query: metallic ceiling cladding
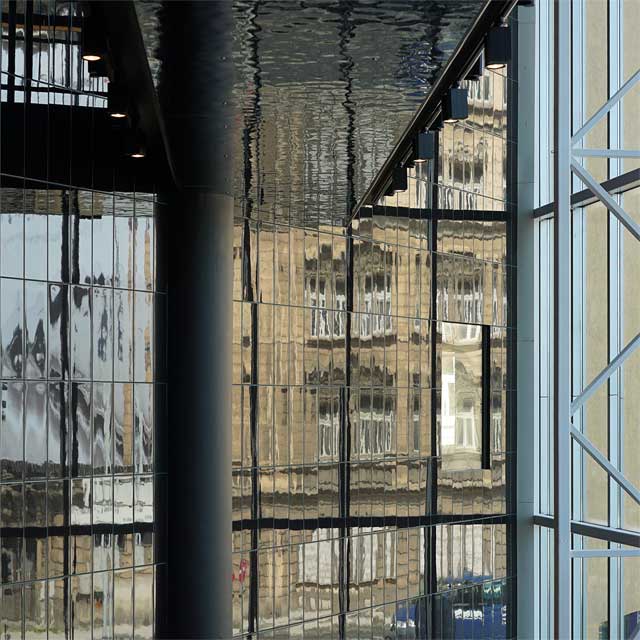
x=292 y=64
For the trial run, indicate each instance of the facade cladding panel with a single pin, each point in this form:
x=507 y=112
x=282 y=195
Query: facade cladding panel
x=362 y=504
x=78 y=301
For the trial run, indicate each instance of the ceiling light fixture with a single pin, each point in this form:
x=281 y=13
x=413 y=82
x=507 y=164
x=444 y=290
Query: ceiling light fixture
x=497 y=47
x=454 y=105
x=117 y=101
x=92 y=41
x=399 y=179
x=136 y=147
x=424 y=145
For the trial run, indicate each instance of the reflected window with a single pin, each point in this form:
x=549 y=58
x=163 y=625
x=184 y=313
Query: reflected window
x=463 y=362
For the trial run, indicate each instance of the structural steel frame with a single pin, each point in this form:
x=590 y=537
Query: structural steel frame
x=566 y=165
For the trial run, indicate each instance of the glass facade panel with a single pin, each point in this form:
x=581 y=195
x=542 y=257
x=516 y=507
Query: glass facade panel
x=340 y=403
x=461 y=361
x=77 y=298
x=372 y=372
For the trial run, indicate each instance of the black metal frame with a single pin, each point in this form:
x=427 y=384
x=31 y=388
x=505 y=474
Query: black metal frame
x=585 y=197
x=599 y=532
x=486 y=397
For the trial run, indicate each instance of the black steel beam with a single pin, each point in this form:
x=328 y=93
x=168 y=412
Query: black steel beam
x=600 y=532
x=457 y=215
x=619 y=184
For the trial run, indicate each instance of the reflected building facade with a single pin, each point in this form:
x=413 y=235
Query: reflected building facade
x=258 y=337
x=371 y=340
x=370 y=490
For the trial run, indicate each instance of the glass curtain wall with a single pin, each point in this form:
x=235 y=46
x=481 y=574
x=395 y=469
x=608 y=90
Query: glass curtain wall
x=78 y=293
x=605 y=317
x=357 y=511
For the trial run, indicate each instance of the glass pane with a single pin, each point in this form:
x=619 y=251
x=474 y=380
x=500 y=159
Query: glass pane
x=11 y=609
x=12 y=519
x=102 y=334
x=143 y=337
x=143 y=277
x=58 y=256
x=123 y=335
x=58 y=327
x=143 y=624
x=103 y=604
x=123 y=252
x=57 y=608
x=11 y=438
x=81 y=428
x=36 y=329
x=80 y=606
x=35 y=610
x=35 y=266
x=58 y=414
x=102 y=428
x=103 y=250
x=461 y=399
x=123 y=604
x=11 y=253
x=143 y=428
x=81 y=332
x=123 y=427
x=35 y=443
x=11 y=314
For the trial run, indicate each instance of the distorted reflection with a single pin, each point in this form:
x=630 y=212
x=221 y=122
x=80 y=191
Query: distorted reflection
x=461 y=408
x=77 y=301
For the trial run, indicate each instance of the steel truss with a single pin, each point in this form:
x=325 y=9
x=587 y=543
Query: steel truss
x=567 y=163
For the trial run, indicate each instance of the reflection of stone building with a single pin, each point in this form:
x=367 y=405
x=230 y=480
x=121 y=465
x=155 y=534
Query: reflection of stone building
x=333 y=399
x=300 y=352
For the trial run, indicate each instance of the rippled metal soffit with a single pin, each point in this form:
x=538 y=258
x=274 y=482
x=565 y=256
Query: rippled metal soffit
x=322 y=92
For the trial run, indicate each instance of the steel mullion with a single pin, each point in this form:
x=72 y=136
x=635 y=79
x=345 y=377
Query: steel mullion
x=614 y=154
x=578 y=317
x=562 y=321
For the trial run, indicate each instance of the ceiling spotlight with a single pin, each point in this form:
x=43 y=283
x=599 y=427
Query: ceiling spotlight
x=92 y=41
x=497 y=48
x=454 y=105
x=135 y=145
x=118 y=102
x=424 y=146
x=399 y=179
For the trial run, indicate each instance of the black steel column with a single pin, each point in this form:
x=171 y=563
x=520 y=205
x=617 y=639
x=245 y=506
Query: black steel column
x=346 y=33
x=199 y=254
